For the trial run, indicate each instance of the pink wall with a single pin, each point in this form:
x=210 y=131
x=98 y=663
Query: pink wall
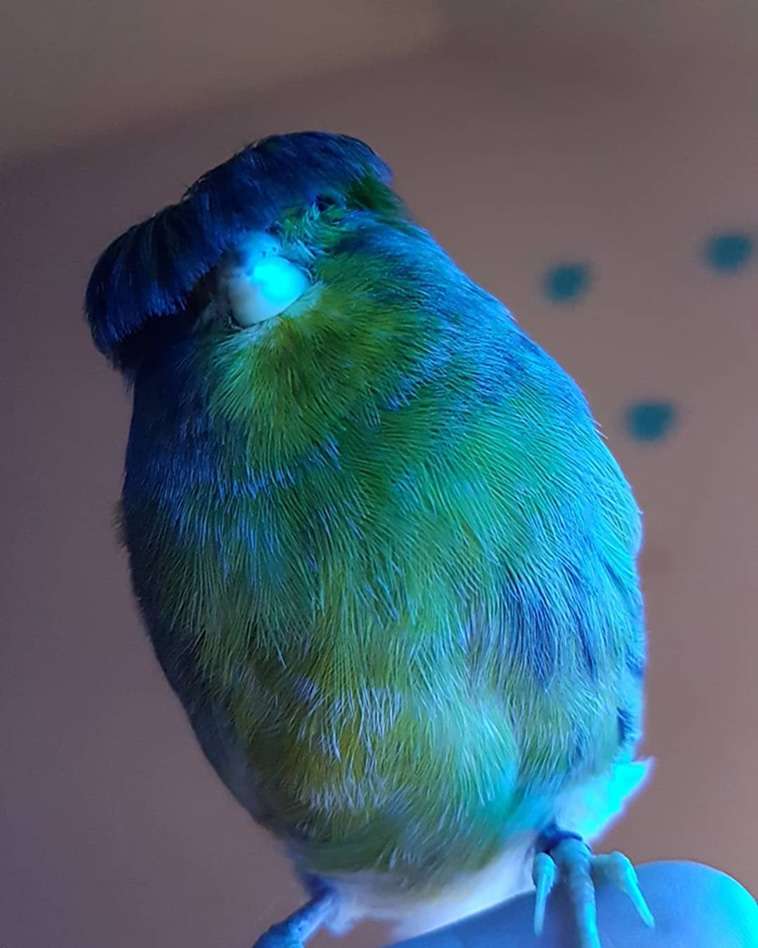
x=114 y=831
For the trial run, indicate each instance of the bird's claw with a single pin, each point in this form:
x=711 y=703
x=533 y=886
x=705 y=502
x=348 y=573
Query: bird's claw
x=295 y=931
x=544 y=873
x=573 y=862
x=278 y=936
x=617 y=869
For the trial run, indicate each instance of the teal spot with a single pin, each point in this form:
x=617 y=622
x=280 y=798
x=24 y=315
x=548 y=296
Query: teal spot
x=566 y=282
x=728 y=252
x=650 y=420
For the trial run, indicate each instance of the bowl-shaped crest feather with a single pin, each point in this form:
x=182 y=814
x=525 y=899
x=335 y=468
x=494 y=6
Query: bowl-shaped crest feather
x=150 y=269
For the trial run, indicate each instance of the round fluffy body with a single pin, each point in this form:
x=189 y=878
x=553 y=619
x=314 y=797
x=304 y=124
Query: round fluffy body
x=384 y=555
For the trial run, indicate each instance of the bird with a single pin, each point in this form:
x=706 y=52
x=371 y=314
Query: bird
x=384 y=555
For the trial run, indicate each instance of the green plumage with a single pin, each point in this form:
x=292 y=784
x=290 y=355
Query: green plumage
x=385 y=557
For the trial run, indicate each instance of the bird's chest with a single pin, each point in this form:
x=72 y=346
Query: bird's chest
x=341 y=643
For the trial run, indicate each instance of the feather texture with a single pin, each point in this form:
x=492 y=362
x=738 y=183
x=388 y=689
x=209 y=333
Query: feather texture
x=385 y=556
x=151 y=269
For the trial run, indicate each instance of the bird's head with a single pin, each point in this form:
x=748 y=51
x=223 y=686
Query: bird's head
x=255 y=238
x=292 y=280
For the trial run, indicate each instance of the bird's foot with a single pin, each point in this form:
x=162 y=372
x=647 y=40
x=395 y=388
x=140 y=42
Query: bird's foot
x=295 y=930
x=572 y=861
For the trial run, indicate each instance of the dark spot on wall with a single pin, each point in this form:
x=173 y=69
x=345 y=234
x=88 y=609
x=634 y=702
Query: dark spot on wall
x=650 y=420
x=728 y=252
x=566 y=282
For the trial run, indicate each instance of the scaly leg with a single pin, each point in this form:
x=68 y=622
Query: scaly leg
x=566 y=856
x=297 y=928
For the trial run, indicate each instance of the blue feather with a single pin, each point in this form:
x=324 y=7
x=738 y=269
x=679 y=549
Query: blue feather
x=151 y=269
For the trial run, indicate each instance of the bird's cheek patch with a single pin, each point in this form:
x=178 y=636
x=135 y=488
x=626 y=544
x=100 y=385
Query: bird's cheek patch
x=259 y=282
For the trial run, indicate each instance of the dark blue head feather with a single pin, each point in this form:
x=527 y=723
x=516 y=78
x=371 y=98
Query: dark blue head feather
x=151 y=269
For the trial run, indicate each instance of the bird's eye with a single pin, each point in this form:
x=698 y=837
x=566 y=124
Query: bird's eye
x=259 y=282
x=325 y=201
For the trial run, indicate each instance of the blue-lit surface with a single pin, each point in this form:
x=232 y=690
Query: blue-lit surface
x=280 y=281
